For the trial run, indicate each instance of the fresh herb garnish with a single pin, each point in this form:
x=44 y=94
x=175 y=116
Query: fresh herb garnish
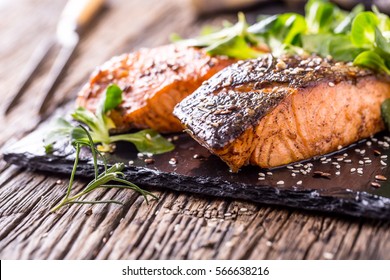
x=233 y=41
x=103 y=180
x=359 y=36
x=99 y=123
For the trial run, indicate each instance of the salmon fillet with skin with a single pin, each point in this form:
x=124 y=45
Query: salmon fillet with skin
x=153 y=82
x=271 y=112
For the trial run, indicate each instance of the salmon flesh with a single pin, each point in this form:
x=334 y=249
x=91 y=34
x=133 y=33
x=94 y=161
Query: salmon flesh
x=153 y=82
x=273 y=111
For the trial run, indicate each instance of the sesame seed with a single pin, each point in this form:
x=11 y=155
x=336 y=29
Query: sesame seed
x=295 y=171
x=353 y=170
x=293 y=174
x=261 y=174
x=269 y=173
x=338 y=166
x=377 y=153
x=243 y=209
x=362 y=152
x=149 y=160
x=357 y=150
x=335 y=163
x=299 y=183
x=280 y=183
x=360 y=172
x=131 y=162
x=327 y=255
x=323 y=158
x=383 y=156
x=331 y=84
x=261 y=178
x=340 y=159
x=383 y=163
x=347 y=160
x=290 y=167
x=375 y=185
x=173 y=161
x=361 y=162
x=198 y=156
x=58 y=182
x=345 y=154
x=338 y=173
x=367 y=161
x=380 y=178
x=369 y=143
x=321 y=174
x=339 y=147
x=140 y=155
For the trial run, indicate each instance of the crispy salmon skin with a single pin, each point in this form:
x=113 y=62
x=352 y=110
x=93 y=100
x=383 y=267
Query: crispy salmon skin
x=153 y=82
x=271 y=112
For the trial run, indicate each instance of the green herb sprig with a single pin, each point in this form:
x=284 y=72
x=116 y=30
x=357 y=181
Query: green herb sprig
x=103 y=180
x=100 y=124
x=233 y=41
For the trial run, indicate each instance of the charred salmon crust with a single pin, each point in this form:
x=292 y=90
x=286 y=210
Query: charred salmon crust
x=153 y=81
x=270 y=112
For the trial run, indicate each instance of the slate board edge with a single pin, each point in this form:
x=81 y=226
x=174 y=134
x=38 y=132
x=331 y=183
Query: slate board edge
x=363 y=205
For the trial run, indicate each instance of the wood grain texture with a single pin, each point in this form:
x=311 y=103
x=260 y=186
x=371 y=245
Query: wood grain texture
x=178 y=225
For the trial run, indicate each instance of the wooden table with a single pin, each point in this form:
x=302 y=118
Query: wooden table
x=179 y=225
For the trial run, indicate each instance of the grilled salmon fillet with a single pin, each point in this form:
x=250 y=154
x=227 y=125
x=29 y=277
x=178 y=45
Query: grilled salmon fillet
x=153 y=82
x=271 y=112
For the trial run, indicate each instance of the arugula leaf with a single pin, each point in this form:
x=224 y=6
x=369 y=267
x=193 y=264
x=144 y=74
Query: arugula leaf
x=318 y=14
x=317 y=43
x=111 y=99
x=81 y=114
x=59 y=129
x=345 y=25
x=234 y=47
x=146 y=141
x=363 y=29
x=382 y=43
x=384 y=20
x=341 y=48
x=371 y=59
x=233 y=41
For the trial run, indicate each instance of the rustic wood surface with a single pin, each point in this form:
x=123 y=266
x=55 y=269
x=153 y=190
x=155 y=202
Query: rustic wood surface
x=178 y=226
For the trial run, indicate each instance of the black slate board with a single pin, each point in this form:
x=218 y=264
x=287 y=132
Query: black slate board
x=347 y=193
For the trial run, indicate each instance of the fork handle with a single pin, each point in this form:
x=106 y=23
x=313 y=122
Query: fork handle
x=78 y=13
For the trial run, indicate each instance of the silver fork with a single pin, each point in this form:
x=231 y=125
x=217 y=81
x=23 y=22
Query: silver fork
x=75 y=16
